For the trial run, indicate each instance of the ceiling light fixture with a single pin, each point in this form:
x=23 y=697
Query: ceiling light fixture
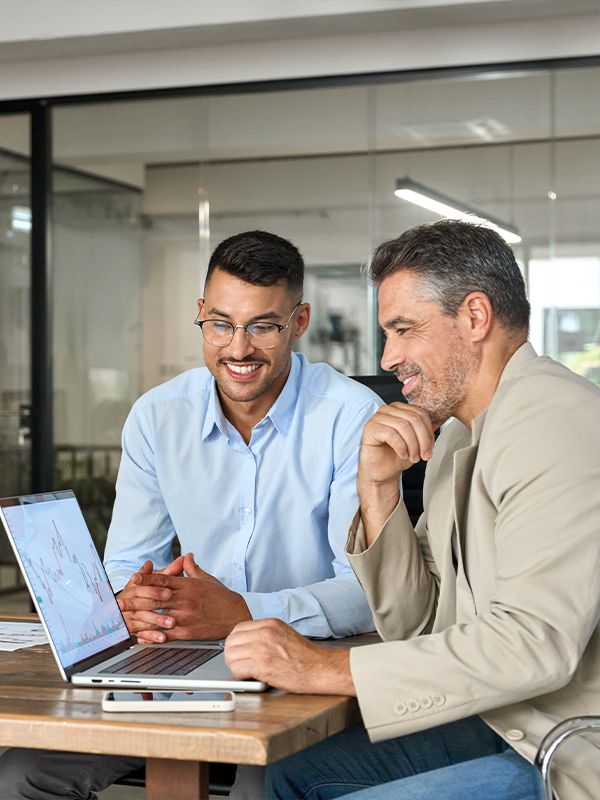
x=413 y=192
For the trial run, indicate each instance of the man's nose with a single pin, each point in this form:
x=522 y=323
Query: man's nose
x=240 y=347
x=393 y=354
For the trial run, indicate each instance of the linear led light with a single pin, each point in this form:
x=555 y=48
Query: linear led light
x=407 y=189
x=21 y=218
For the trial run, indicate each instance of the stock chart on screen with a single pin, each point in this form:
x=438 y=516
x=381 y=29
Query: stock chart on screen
x=67 y=577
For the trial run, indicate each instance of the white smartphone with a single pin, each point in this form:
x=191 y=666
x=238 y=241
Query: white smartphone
x=168 y=701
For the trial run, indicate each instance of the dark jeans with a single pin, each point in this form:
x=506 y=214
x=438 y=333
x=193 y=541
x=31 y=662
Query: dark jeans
x=464 y=760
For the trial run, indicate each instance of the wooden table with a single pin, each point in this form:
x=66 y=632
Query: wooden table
x=38 y=709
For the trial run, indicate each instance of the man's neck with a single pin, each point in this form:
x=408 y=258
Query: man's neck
x=484 y=381
x=245 y=415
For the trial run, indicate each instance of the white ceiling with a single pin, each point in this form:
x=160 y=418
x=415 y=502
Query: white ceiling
x=34 y=29
x=65 y=47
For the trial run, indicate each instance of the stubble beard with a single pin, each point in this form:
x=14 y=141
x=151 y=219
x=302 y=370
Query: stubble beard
x=263 y=386
x=441 y=397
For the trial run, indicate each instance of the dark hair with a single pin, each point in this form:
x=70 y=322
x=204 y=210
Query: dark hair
x=260 y=258
x=454 y=258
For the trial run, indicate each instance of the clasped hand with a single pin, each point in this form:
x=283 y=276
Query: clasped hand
x=197 y=607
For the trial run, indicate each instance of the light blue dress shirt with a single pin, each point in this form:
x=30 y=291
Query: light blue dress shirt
x=268 y=519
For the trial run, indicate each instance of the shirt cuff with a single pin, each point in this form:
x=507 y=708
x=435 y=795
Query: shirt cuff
x=263 y=605
x=119 y=578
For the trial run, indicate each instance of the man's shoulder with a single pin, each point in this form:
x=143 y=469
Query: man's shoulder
x=321 y=382
x=541 y=381
x=546 y=408
x=192 y=384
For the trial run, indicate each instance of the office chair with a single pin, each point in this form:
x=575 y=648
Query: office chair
x=564 y=730
x=389 y=388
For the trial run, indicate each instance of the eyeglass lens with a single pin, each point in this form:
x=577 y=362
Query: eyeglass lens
x=260 y=334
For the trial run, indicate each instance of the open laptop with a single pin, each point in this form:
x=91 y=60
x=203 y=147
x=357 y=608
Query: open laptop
x=87 y=632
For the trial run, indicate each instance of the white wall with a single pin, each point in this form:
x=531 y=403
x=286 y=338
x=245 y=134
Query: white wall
x=265 y=50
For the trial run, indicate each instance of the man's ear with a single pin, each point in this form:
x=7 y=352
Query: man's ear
x=302 y=320
x=201 y=314
x=476 y=315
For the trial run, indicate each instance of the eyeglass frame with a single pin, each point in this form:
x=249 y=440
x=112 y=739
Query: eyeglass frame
x=200 y=322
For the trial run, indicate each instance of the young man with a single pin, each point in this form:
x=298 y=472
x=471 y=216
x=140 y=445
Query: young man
x=490 y=608
x=252 y=462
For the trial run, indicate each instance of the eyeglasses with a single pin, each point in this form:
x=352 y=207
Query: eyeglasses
x=262 y=335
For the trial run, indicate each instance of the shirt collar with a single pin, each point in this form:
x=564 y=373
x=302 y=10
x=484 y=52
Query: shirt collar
x=214 y=413
x=281 y=412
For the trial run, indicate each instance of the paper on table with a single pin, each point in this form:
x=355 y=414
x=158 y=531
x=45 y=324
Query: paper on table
x=16 y=635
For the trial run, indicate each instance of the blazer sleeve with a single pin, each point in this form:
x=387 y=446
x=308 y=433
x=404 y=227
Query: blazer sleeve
x=397 y=564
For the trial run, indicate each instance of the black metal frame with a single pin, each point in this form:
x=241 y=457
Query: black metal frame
x=40 y=109
x=41 y=288
x=41 y=300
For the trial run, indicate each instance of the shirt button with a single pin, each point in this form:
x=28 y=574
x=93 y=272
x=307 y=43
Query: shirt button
x=515 y=734
x=426 y=701
x=238 y=566
x=438 y=699
x=247 y=511
x=400 y=708
x=249 y=456
x=413 y=705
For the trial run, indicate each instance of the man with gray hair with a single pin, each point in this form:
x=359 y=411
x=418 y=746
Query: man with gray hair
x=489 y=609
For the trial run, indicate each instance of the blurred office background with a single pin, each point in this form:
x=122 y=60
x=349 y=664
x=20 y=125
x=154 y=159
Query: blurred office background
x=144 y=184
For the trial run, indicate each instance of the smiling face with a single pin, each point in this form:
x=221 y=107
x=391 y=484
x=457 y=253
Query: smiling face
x=424 y=347
x=244 y=373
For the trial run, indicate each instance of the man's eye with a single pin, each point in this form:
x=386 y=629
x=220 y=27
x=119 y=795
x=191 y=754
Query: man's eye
x=259 y=329
x=401 y=331
x=221 y=327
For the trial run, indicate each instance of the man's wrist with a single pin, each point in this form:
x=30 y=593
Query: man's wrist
x=243 y=612
x=333 y=675
x=378 y=500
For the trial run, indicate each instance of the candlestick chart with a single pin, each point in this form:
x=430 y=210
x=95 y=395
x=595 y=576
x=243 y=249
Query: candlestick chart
x=67 y=577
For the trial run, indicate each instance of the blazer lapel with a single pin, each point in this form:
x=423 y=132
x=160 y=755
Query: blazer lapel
x=464 y=463
x=441 y=523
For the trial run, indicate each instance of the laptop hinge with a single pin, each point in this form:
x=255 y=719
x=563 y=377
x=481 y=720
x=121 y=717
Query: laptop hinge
x=99 y=658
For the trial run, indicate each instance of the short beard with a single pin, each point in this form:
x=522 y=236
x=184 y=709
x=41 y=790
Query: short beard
x=261 y=388
x=441 y=397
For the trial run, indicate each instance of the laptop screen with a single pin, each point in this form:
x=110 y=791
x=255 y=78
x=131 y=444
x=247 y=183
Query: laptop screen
x=66 y=575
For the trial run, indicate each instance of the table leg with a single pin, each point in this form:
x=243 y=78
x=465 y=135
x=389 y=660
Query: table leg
x=176 y=780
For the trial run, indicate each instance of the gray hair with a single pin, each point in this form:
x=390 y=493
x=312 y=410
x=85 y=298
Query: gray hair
x=454 y=258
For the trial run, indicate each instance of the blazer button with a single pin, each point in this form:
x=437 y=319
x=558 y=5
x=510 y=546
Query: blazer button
x=438 y=699
x=514 y=734
x=426 y=701
x=400 y=708
x=413 y=705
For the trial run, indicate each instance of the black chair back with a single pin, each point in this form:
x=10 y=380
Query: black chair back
x=389 y=388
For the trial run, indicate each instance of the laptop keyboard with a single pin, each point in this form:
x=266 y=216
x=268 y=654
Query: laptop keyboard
x=162 y=661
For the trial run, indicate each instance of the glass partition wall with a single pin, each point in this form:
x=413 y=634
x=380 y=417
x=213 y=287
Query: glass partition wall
x=148 y=187
x=15 y=367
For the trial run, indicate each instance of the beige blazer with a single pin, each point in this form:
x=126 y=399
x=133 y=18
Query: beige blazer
x=492 y=605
